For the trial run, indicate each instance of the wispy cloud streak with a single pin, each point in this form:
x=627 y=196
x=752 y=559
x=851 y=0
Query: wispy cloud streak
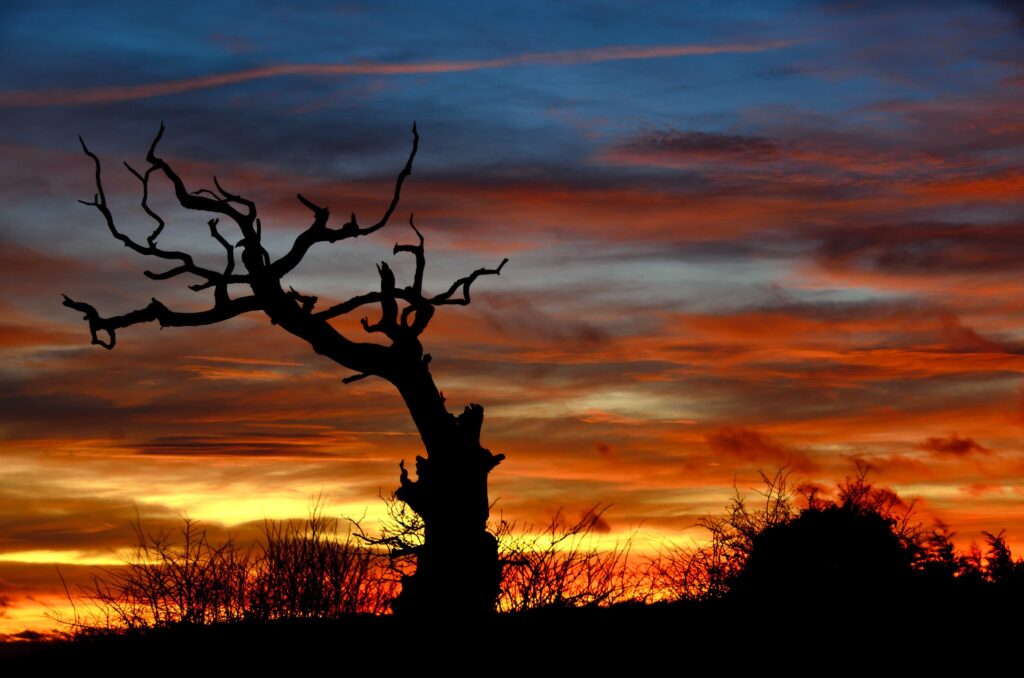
x=96 y=95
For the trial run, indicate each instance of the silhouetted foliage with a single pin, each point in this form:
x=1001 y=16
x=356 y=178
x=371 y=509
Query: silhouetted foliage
x=864 y=547
x=707 y=572
x=296 y=570
x=312 y=570
x=563 y=566
x=855 y=555
x=560 y=564
x=1005 y=573
x=834 y=551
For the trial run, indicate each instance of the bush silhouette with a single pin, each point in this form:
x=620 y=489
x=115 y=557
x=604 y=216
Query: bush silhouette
x=863 y=546
x=830 y=551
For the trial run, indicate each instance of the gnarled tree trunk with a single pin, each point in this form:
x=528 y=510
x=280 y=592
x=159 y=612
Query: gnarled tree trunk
x=457 y=565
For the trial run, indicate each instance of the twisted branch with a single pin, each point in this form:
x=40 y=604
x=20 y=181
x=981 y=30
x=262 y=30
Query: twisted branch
x=160 y=313
x=319 y=232
x=196 y=200
x=419 y=254
x=465 y=283
x=401 y=322
x=151 y=249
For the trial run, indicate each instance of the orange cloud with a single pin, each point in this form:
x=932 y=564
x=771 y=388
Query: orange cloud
x=953 y=445
x=1006 y=185
x=750 y=446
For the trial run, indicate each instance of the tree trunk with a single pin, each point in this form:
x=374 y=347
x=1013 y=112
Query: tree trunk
x=457 y=567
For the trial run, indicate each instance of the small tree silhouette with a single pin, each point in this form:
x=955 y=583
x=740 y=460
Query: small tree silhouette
x=1002 y=570
x=457 y=564
x=939 y=558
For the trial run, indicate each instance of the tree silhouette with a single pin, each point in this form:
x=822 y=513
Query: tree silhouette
x=457 y=565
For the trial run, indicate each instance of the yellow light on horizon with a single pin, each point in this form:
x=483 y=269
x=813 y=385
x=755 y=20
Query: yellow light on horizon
x=69 y=557
x=232 y=511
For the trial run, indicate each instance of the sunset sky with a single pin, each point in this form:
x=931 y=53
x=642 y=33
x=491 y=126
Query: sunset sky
x=741 y=235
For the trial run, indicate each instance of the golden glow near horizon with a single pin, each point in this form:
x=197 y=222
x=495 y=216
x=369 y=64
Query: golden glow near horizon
x=64 y=557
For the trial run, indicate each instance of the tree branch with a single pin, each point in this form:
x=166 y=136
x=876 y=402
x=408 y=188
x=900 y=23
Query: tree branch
x=296 y=312
x=388 y=305
x=291 y=310
x=220 y=292
x=160 y=313
x=424 y=313
x=420 y=308
x=419 y=254
x=196 y=201
x=465 y=283
x=308 y=301
x=406 y=171
x=144 y=179
x=319 y=232
x=349 y=305
x=151 y=249
x=249 y=204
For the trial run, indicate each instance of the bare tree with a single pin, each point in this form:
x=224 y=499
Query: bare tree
x=457 y=565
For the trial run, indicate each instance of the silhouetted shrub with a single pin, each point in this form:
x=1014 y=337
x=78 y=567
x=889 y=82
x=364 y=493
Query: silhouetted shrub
x=861 y=547
x=297 y=570
x=308 y=571
x=559 y=565
x=169 y=580
x=707 y=572
x=853 y=553
x=835 y=551
x=864 y=548
x=563 y=566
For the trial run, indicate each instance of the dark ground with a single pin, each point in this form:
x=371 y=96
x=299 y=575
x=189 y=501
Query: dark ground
x=774 y=636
